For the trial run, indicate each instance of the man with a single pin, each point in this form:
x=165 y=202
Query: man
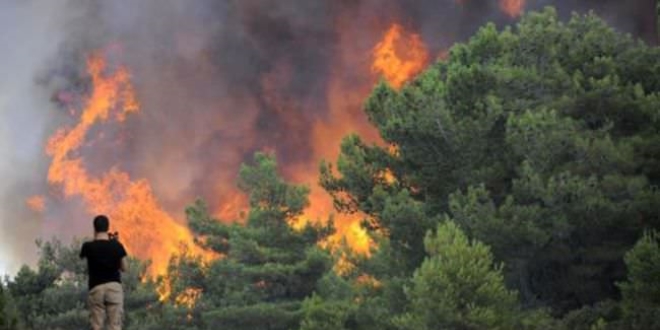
x=106 y=257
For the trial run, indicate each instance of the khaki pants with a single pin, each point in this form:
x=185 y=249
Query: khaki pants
x=106 y=301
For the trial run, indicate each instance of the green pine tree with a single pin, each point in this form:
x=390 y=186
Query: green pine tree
x=268 y=267
x=53 y=296
x=8 y=317
x=540 y=140
x=458 y=287
x=324 y=315
x=641 y=290
x=3 y=313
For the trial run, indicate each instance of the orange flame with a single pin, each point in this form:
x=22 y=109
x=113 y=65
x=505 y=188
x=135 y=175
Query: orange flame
x=325 y=134
x=233 y=206
x=397 y=57
x=36 y=203
x=145 y=228
x=513 y=8
x=188 y=297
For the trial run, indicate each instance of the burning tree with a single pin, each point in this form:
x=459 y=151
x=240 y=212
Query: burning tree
x=539 y=140
x=267 y=267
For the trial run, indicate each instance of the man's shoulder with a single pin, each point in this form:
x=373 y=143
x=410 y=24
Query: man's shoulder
x=104 y=244
x=96 y=244
x=84 y=249
x=88 y=243
x=120 y=247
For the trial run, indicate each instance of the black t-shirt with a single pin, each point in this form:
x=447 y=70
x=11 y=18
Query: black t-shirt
x=103 y=261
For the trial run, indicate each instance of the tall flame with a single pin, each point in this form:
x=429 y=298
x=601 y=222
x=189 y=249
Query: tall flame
x=148 y=231
x=145 y=228
x=399 y=57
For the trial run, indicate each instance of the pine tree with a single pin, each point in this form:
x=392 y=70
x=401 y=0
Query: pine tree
x=8 y=317
x=323 y=315
x=458 y=286
x=641 y=291
x=268 y=267
x=54 y=295
x=540 y=140
x=3 y=314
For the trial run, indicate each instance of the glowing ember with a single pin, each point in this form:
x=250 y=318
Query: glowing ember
x=388 y=176
x=513 y=8
x=147 y=231
x=343 y=266
x=188 y=297
x=399 y=57
x=368 y=280
x=36 y=203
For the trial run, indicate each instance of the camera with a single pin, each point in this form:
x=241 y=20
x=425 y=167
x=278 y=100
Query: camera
x=114 y=236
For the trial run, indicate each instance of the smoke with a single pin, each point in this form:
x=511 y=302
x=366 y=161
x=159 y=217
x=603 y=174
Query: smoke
x=31 y=32
x=217 y=80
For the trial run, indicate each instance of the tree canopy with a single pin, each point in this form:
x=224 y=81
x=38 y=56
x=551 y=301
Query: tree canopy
x=540 y=140
x=267 y=266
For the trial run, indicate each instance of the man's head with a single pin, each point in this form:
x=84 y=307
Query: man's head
x=101 y=224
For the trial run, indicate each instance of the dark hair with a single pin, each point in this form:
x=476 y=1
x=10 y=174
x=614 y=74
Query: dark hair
x=101 y=224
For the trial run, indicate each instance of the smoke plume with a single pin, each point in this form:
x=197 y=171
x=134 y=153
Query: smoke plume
x=31 y=32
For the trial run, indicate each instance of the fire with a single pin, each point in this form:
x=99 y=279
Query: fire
x=148 y=231
x=36 y=203
x=388 y=176
x=188 y=297
x=343 y=103
x=513 y=8
x=145 y=228
x=398 y=57
x=232 y=207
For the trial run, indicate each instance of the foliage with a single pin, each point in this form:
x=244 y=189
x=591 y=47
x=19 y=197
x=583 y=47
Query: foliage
x=641 y=291
x=322 y=315
x=268 y=268
x=603 y=315
x=540 y=140
x=457 y=286
x=4 y=319
x=8 y=314
x=53 y=296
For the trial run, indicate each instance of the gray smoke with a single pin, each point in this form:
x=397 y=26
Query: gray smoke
x=217 y=80
x=30 y=32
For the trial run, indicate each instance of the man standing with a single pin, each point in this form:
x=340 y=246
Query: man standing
x=106 y=257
